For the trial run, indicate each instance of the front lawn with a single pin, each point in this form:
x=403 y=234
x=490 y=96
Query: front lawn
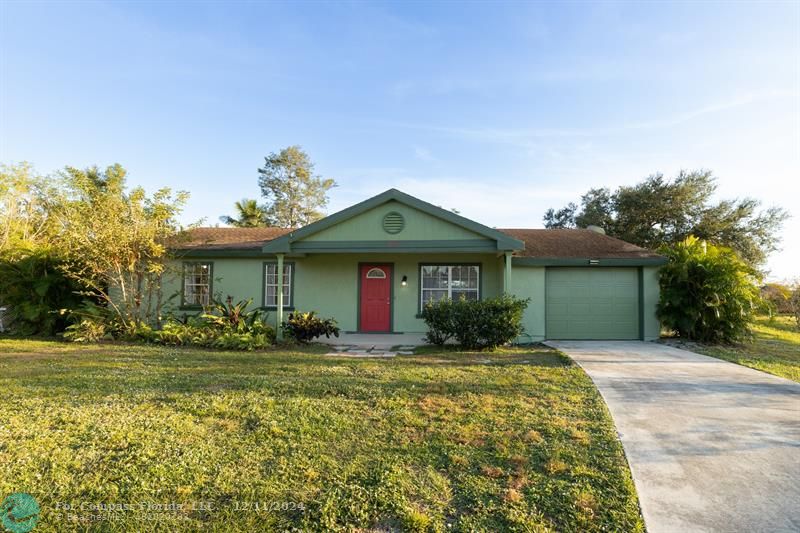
x=220 y=441
x=775 y=349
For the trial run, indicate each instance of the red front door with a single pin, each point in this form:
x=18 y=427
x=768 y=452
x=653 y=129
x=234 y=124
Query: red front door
x=376 y=298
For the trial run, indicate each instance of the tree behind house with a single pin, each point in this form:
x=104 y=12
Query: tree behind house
x=659 y=211
x=295 y=195
x=250 y=215
x=26 y=200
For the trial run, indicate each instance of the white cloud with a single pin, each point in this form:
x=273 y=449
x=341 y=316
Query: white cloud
x=423 y=154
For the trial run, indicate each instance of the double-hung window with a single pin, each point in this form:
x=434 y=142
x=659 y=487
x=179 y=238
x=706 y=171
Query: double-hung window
x=449 y=281
x=271 y=284
x=196 y=284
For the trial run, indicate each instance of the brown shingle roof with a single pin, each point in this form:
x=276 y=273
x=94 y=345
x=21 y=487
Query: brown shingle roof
x=574 y=243
x=544 y=243
x=229 y=238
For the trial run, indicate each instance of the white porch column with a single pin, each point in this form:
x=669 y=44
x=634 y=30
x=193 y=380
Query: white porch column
x=279 y=298
x=507 y=274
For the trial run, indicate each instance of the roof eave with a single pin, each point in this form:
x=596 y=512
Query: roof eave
x=589 y=261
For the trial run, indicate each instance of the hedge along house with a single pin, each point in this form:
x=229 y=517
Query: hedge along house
x=374 y=265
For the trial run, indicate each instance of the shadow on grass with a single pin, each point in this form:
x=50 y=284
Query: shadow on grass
x=146 y=370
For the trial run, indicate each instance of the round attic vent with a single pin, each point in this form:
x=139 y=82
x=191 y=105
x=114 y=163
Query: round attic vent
x=393 y=222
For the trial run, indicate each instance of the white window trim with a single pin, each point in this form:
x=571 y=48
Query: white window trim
x=288 y=280
x=449 y=289
x=185 y=293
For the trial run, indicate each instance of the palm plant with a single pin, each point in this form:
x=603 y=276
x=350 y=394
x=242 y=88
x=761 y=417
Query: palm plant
x=251 y=215
x=233 y=315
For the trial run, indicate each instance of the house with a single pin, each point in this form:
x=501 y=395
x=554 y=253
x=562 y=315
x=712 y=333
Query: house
x=374 y=265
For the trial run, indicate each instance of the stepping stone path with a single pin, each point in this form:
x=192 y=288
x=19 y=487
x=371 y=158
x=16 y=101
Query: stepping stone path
x=362 y=351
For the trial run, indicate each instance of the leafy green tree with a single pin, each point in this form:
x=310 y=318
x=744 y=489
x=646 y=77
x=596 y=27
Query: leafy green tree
x=561 y=218
x=659 y=211
x=250 y=215
x=778 y=296
x=114 y=240
x=794 y=303
x=708 y=293
x=26 y=201
x=294 y=194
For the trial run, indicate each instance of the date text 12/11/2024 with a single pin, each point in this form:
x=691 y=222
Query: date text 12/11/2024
x=263 y=506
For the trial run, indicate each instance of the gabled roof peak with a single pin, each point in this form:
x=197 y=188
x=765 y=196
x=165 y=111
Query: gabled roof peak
x=504 y=242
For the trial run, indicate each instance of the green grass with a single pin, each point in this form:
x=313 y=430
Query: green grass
x=775 y=348
x=517 y=440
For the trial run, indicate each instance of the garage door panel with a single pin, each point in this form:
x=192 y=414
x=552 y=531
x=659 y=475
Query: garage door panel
x=592 y=303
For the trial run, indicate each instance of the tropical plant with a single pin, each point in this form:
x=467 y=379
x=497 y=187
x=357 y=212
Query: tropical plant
x=87 y=330
x=475 y=324
x=294 y=194
x=708 y=293
x=304 y=327
x=200 y=332
x=250 y=215
x=33 y=287
x=234 y=316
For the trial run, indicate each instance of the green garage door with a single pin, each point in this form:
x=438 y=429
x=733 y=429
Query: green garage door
x=592 y=303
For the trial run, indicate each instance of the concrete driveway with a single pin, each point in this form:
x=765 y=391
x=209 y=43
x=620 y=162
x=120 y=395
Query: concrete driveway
x=713 y=446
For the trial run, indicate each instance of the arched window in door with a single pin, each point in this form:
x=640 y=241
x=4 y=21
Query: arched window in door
x=376 y=273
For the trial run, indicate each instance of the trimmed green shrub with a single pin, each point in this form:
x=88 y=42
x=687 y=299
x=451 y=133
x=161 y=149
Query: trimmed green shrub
x=708 y=293
x=304 y=327
x=439 y=317
x=475 y=324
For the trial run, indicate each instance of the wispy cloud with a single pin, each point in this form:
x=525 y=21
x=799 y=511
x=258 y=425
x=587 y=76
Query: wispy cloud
x=525 y=137
x=423 y=154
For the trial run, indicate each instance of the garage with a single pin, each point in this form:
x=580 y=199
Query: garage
x=598 y=303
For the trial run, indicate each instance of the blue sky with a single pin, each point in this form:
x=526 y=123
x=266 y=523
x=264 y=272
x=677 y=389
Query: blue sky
x=499 y=110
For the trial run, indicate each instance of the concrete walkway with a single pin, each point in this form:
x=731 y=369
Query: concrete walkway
x=713 y=446
x=379 y=341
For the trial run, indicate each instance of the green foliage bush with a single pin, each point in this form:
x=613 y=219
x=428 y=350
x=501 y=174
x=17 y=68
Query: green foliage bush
x=708 y=293
x=226 y=326
x=475 y=325
x=439 y=317
x=304 y=327
x=199 y=332
x=33 y=288
x=86 y=330
x=778 y=297
x=90 y=323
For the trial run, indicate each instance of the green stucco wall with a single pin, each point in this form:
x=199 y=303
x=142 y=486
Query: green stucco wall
x=368 y=226
x=650 y=296
x=328 y=283
x=528 y=282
